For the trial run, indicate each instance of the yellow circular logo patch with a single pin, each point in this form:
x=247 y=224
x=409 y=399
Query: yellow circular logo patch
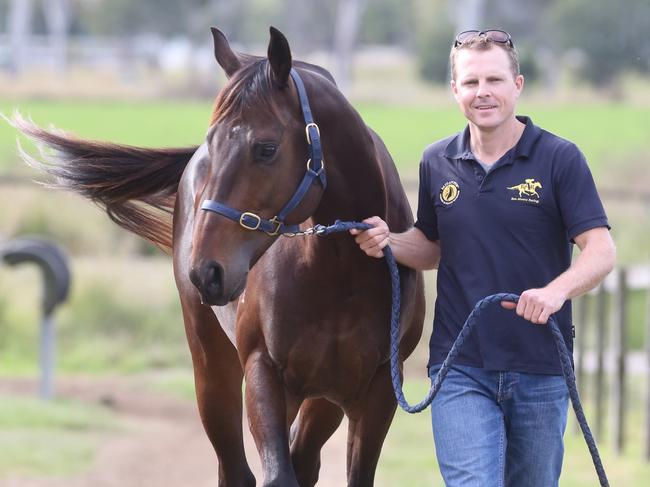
x=449 y=192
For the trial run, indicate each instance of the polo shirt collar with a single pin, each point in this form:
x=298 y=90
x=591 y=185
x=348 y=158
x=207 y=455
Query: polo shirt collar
x=459 y=147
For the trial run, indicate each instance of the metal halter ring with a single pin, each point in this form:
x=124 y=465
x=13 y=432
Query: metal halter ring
x=277 y=228
x=253 y=215
x=307 y=127
x=322 y=166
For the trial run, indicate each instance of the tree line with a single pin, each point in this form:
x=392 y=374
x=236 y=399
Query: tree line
x=598 y=39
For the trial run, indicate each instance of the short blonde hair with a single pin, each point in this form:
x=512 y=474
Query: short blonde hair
x=483 y=43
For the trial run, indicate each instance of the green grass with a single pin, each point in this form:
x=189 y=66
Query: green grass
x=51 y=438
x=28 y=413
x=146 y=124
x=176 y=382
x=605 y=132
x=123 y=315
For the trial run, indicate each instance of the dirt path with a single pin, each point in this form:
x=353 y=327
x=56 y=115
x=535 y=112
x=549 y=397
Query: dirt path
x=161 y=442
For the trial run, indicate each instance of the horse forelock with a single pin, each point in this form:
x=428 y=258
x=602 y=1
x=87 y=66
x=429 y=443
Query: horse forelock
x=250 y=86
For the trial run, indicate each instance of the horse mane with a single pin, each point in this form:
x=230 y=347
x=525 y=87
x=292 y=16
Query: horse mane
x=251 y=85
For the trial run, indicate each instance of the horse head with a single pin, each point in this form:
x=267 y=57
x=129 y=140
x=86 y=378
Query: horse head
x=258 y=155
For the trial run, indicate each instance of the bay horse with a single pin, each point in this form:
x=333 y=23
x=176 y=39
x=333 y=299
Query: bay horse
x=305 y=321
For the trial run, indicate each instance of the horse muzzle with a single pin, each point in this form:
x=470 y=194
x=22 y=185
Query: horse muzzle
x=209 y=279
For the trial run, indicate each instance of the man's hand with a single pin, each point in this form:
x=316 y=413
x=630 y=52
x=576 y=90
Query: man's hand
x=536 y=305
x=373 y=240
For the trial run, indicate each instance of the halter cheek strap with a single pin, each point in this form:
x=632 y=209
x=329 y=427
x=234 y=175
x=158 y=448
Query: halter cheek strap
x=315 y=171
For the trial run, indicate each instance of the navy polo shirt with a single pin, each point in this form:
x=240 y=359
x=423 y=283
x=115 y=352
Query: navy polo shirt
x=505 y=231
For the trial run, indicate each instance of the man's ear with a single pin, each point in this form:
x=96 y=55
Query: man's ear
x=224 y=55
x=454 y=89
x=519 y=83
x=279 y=56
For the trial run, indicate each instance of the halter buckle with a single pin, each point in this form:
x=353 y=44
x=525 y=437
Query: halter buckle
x=250 y=215
x=278 y=224
x=307 y=127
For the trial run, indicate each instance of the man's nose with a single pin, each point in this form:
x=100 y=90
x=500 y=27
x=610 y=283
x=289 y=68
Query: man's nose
x=482 y=90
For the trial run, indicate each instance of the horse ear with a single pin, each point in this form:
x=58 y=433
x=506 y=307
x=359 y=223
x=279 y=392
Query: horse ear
x=279 y=56
x=223 y=54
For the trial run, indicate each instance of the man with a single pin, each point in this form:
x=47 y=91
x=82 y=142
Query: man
x=500 y=205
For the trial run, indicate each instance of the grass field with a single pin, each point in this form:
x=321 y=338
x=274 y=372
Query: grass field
x=56 y=438
x=608 y=134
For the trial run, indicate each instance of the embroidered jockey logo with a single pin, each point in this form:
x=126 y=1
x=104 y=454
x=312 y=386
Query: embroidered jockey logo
x=449 y=192
x=527 y=191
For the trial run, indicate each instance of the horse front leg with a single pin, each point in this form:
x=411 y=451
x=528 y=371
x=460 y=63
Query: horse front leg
x=218 y=379
x=317 y=421
x=369 y=421
x=268 y=415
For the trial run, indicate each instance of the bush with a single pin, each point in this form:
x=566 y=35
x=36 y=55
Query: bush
x=610 y=34
x=433 y=53
x=528 y=66
x=103 y=329
x=121 y=316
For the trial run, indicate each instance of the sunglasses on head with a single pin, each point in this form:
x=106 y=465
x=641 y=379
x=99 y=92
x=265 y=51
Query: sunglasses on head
x=494 y=35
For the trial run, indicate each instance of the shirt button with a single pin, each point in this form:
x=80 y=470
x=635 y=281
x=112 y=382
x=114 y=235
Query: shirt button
x=479 y=177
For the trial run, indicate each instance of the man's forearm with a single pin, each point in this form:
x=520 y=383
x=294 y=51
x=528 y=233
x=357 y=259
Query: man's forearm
x=596 y=260
x=591 y=266
x=413 y=249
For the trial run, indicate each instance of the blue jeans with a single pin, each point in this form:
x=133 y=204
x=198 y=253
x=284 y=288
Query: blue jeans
x=499 y=429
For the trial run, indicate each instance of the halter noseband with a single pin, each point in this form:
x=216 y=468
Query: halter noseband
x=315 y=171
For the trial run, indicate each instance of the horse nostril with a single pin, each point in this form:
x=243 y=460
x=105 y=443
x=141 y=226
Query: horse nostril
x=213 y=278
x=195 y=278
x=208 y=278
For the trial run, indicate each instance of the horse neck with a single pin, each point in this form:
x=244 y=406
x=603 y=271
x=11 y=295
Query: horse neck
x=355 y=183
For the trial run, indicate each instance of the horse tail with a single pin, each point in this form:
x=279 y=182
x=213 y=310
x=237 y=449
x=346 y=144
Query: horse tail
x=136 y=186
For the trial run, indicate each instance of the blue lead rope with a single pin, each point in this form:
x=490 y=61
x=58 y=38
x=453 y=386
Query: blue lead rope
x=470 y=323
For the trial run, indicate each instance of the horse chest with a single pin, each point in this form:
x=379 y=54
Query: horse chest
x=325 y=357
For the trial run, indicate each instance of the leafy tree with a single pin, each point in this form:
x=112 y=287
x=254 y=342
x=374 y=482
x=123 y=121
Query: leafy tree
x=4 y=10
x=388 y=22
x=433 y=52
x=128 y=17
x=612 y=35
x=435 y=32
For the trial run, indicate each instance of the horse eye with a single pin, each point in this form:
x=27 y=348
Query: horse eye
x=264 y=151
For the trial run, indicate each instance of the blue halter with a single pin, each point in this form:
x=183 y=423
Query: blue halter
x=315 y=171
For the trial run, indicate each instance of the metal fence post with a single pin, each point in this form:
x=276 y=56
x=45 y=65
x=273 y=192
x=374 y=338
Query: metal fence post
x=618 y=385
x=53 y=263
x=580 y=326
x=599 y=387
x=647 y=404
